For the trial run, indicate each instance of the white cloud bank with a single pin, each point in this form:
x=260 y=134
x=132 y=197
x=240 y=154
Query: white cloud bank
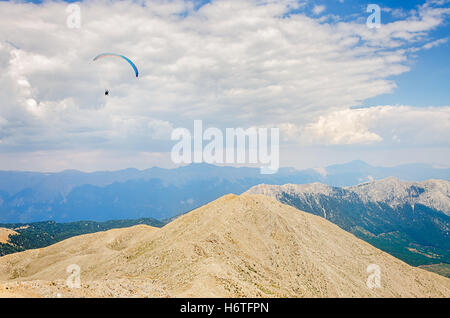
x=395 y=125
x=231 y=63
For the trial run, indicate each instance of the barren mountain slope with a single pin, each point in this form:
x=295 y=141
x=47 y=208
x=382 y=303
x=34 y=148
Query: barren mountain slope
x=392 y=191
x=5 y=234
x=432 y=193
x=248 y=245
x=409 y=220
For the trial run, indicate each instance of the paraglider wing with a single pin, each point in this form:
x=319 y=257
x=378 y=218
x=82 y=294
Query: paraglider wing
x=120 y=56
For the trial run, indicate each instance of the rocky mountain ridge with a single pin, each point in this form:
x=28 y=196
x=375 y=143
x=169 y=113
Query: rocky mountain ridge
x=236 y=246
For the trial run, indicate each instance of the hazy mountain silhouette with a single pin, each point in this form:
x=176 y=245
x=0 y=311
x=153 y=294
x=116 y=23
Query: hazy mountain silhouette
x=162 y=193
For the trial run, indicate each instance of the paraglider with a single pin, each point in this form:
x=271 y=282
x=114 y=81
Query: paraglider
x=136 y=72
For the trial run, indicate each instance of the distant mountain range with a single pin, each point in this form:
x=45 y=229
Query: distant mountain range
x=410 y=220
x=163 y=193
x=236 y=246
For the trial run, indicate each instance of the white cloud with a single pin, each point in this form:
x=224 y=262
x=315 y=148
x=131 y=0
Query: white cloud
x=396 y=13
x=391 y=125
x=343 y=127
x=318 y=9
x=435 y=43
x=231 y=63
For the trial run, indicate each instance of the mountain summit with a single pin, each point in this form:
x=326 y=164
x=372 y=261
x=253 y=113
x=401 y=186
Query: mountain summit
x=236 y=246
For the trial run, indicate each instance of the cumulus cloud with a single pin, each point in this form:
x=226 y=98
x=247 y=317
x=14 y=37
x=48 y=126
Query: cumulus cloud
x=392 y=125
x=231 y=63
x=318 y=9
x=343 y=127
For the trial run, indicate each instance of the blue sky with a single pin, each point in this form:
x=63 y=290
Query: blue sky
x=337 y=90
x=427 y=83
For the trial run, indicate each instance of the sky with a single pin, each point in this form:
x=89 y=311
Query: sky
x=337 y=89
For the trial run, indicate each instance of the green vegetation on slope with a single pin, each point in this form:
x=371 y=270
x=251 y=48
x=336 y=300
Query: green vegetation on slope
x=41 y=234
x=441 y=269
x=417 y=236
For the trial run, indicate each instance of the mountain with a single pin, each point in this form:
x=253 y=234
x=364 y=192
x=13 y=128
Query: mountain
x=410 y=220
x=162 y=193
x=358 y=171
x=236 y=246
x=25 y=236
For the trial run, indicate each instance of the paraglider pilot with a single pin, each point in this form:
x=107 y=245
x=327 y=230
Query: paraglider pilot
x=136 y=72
